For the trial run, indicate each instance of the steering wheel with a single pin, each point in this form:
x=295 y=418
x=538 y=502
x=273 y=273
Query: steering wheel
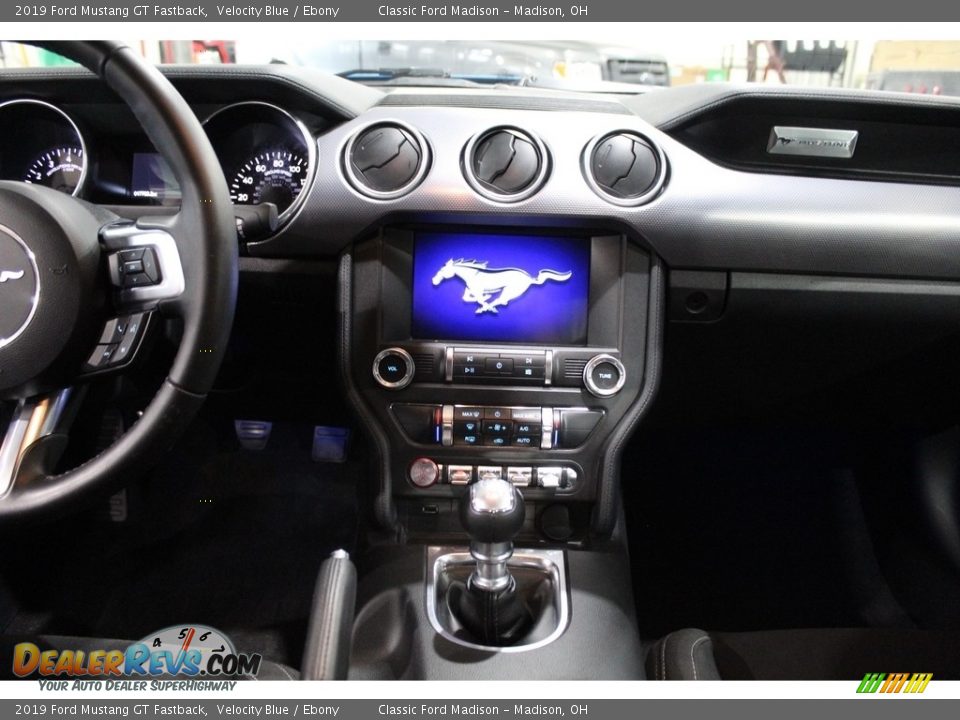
x=79 y=286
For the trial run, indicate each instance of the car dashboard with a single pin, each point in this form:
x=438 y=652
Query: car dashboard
x=513 y=284
x=506 y=256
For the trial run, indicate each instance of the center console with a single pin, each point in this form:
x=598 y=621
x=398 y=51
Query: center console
x=478 y=353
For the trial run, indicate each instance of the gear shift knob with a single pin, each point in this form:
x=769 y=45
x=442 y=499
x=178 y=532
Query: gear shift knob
x=492 y=511
x=488 y=605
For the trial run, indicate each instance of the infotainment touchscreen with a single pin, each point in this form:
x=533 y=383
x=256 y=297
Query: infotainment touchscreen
x=500 y=288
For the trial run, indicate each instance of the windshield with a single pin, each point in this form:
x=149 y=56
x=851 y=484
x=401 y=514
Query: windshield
x=924 y=67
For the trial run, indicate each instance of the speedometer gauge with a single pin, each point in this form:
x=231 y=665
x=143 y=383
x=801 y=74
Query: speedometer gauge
x=276 y=176
x=60 y=168
x=267 y=156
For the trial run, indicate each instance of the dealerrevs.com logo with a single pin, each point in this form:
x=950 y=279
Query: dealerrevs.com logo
x=891 y=683
x=180 y=651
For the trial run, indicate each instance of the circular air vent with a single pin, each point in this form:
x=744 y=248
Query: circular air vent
x=505 y=164
x=386 y=160
x=624 y=167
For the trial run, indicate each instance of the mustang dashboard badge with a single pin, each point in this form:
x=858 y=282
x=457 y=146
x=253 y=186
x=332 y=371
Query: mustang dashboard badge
x=812 y=142
x=10 y=275
x=491 y=288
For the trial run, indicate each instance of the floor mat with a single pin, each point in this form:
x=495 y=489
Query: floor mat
x=219 y=535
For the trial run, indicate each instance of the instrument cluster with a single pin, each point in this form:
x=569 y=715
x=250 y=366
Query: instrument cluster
x=266 y=154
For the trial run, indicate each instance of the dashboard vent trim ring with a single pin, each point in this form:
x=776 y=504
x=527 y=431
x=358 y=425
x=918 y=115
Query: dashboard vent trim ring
x=481 y=188
x=655 y=188
x=357 y=182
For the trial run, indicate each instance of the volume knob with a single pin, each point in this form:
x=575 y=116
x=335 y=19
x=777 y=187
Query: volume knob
x=393 y=368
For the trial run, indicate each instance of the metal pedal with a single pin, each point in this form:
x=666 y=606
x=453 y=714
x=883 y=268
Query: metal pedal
x=253 y=434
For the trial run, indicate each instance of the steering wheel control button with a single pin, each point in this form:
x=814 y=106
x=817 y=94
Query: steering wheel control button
x=625 y=168
x=393 y=368
x=101 y=356
x=136 y=267
x=131 y=338
x=112 y=331
x=604 y=375
x=119 y=341
x=424 y=472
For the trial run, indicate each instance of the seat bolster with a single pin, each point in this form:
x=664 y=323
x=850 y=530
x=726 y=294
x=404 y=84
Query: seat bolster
x=683 y=655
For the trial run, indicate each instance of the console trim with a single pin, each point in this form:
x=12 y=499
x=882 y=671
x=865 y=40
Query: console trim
x=551 y=562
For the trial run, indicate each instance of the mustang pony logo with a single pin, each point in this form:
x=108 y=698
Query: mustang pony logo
x=10 y=275
x=483 y=283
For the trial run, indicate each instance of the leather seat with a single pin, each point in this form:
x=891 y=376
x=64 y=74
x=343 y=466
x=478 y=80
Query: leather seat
x=807 y=654
x=268 y=670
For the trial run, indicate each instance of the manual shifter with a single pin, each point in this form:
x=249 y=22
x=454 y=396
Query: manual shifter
x=488 y=605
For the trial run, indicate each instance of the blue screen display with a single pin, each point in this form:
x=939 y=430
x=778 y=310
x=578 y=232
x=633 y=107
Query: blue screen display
x=501 y=288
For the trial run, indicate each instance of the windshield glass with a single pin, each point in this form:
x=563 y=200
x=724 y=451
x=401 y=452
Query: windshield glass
x=924 y=67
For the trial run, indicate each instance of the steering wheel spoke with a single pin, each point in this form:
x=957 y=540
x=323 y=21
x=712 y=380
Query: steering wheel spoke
x=35 y=436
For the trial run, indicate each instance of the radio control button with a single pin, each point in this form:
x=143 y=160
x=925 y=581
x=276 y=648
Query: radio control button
x=529 y=373
x=469 y=358
x=465 y=372
x=526 y=360
x=498 y=366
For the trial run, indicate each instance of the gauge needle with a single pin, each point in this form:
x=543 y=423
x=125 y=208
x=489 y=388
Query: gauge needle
x=186 y=641
x=186 y=644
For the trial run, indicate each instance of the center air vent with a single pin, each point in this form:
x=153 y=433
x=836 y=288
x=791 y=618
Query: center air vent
x=505 y=164
x=624 y=167
x=386 y=160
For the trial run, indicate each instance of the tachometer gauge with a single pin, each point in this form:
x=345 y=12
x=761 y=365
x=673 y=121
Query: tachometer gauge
x=60 y=168
x=276 y=176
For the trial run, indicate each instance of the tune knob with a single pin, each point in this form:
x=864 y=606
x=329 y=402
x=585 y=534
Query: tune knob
x=393 y=368
x=604 y=375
